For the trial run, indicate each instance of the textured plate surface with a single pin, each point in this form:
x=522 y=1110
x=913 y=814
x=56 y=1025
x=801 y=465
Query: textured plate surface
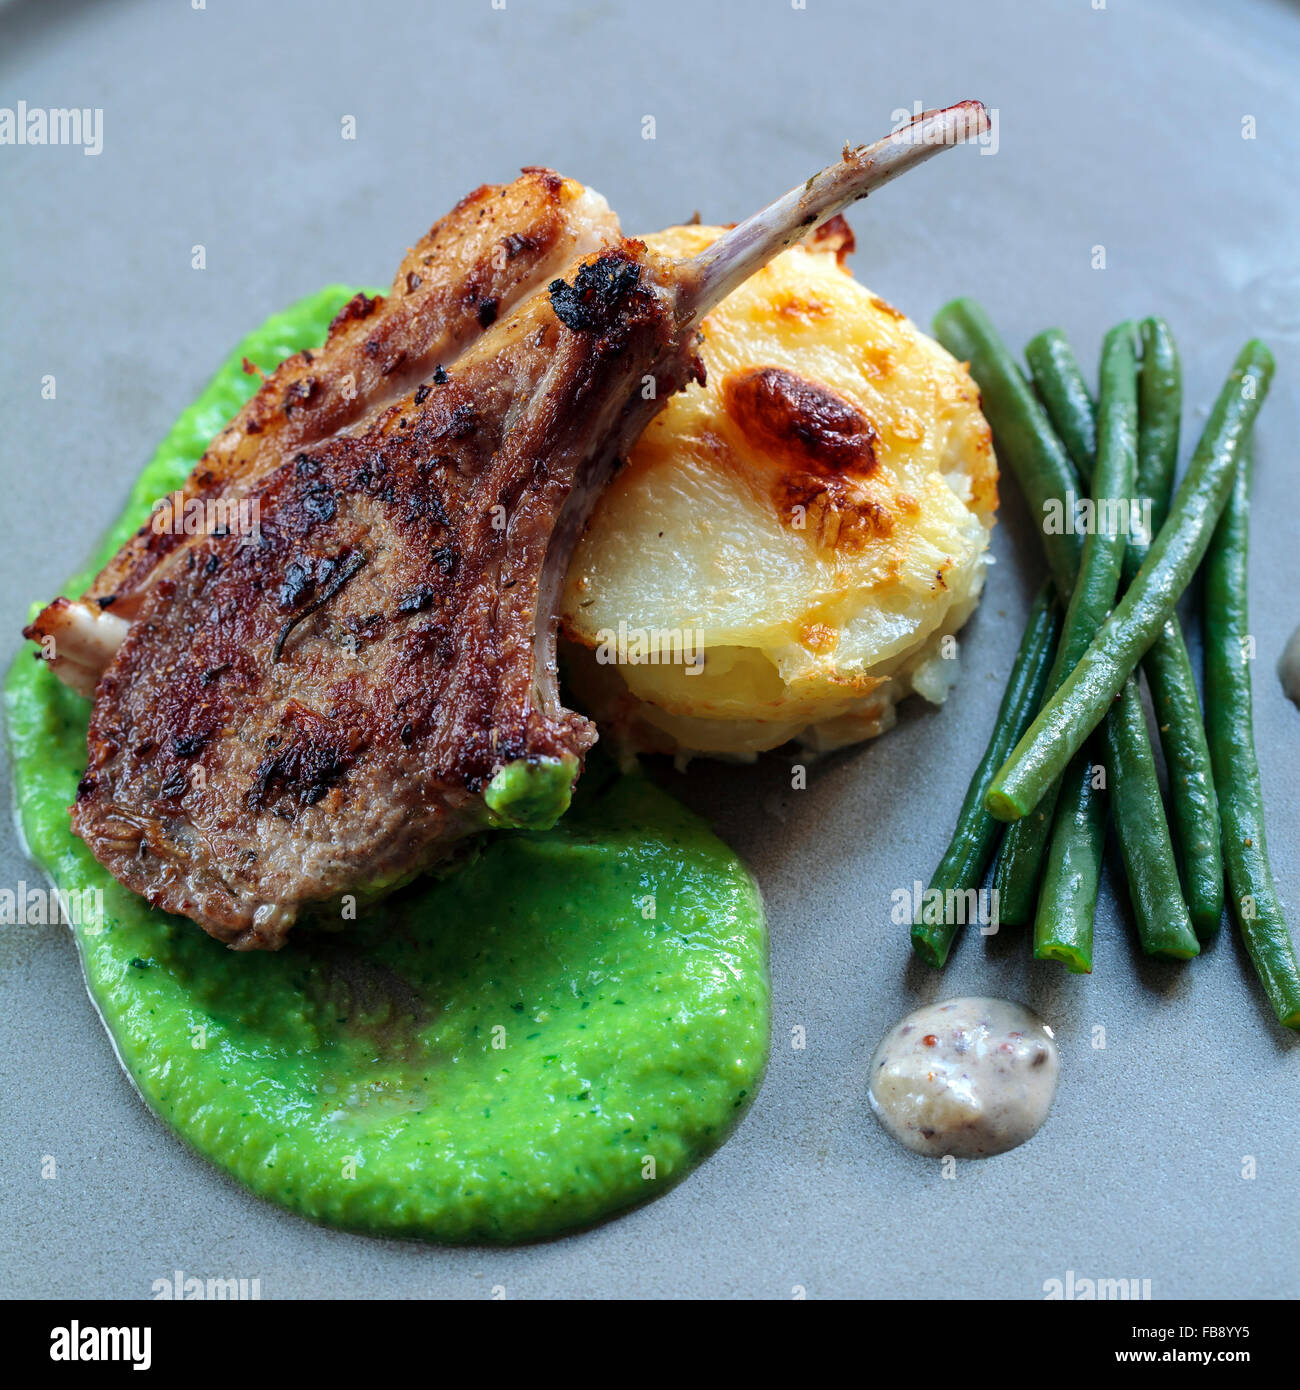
x=1118 y=128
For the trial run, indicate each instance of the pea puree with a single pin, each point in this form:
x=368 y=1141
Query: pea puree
x=555 y=1030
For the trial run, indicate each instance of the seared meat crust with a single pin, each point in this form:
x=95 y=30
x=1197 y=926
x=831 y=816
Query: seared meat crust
x=318 y=713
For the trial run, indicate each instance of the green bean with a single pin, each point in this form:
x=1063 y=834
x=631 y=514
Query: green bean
x=1023 y=851
x=1027 y=444
x=1194 y=805
x=1164 y=926
x=1194 y=810
x=1063 y=924
x=1236 y=769
x=1124 y=638
x=1113 y=477
x=1021 y=431
x=1065 y=394
x=962 y=866
x=1160 y=409
x=1020 y=862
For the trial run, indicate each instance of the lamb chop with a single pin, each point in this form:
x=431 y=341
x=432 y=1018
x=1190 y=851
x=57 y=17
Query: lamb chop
x=331 y=710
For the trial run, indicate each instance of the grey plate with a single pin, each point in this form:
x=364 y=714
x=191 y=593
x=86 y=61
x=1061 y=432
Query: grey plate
x=1119 y=127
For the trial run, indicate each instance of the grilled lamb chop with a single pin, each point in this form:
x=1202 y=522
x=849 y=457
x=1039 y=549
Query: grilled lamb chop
x=329 y=711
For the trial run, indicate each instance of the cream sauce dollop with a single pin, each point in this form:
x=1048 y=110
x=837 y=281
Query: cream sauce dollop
x=966 y=1077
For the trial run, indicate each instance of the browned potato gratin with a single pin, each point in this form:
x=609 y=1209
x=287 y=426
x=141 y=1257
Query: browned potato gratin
x=788 y=545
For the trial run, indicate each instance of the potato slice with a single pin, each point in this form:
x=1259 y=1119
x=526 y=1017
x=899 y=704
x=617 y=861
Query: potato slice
x=789 y=544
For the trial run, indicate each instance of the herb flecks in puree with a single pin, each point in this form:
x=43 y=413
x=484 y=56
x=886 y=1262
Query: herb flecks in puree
x=555 y=1031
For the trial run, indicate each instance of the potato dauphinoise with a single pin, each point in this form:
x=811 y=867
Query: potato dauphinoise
x=788 y=544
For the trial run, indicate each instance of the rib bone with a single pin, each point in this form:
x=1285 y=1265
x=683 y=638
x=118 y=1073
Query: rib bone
x=733 y=258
